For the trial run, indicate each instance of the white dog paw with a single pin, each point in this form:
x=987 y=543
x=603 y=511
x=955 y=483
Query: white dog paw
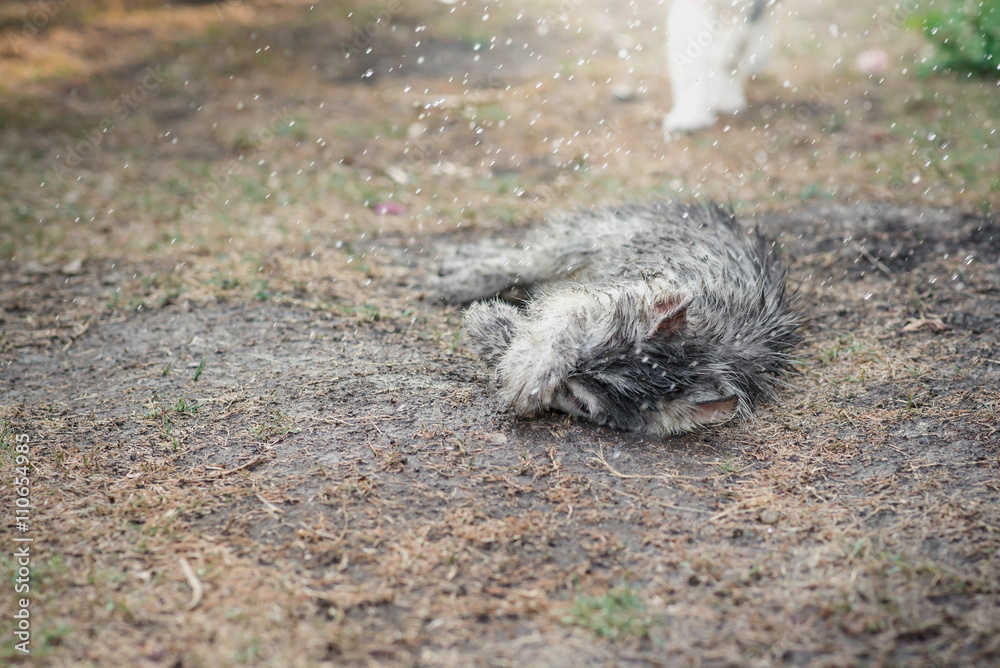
x=687 y=121
x=730 y=101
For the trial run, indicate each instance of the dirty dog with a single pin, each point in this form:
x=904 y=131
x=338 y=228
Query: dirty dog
x=658 y=319
x=711 y=47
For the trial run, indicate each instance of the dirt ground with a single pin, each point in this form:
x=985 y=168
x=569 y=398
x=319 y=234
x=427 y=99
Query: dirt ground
x=255 y=440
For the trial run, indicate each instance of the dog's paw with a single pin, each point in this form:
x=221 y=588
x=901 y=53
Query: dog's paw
x=684 y=120
x=730 y=100
x=527 y=384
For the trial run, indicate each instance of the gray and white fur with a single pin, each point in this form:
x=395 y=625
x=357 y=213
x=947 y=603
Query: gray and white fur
x=659 y=319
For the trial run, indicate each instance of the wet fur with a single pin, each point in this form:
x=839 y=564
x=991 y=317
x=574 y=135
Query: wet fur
x=658 y=319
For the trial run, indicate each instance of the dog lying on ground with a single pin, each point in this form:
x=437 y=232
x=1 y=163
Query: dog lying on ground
x=658 y=319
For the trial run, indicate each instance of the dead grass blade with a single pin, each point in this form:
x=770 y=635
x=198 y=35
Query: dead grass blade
x=220 y=474
x=197 y=590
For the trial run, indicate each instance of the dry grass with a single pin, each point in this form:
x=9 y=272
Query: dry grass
x=255 y=444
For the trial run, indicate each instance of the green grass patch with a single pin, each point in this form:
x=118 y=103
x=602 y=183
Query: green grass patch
x=614 y=615
x=965 y=35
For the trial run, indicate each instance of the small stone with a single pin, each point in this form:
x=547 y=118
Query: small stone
x=397 y=174
x=768 y=516
x=73 y=268
x=623 y=93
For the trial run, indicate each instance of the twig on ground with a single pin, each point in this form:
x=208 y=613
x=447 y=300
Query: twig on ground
x=197 y=590
x=78 y=333
x=914 y=467
x=600 y=458
x=324 y=534
x=739 y=506
x=218 y=474
x=877 y=263
x=271 y=508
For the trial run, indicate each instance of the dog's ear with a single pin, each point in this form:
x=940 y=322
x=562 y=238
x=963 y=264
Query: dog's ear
x=489 y=327
x=715 y=411
x=670 y=314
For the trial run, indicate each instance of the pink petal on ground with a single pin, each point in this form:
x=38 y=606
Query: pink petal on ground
x=389 y=209
x=872 y=61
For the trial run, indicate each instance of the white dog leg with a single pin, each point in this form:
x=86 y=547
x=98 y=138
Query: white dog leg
x=692 y=31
